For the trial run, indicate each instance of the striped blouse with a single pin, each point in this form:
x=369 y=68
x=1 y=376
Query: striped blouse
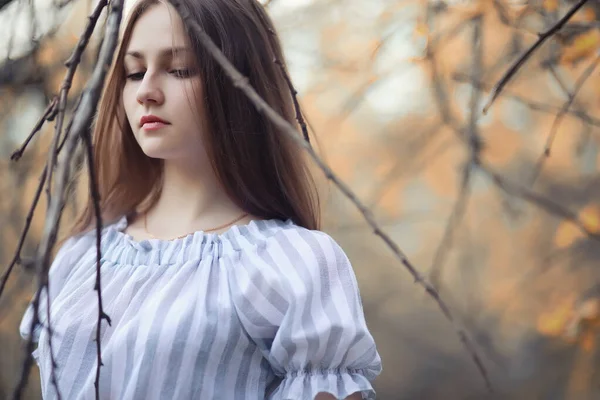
x=264 y=310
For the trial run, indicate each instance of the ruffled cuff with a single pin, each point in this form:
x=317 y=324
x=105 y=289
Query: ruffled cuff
x=25 y=326
x=341 y=383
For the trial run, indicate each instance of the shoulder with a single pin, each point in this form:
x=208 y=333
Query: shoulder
x=74 y=247
x=78 y=243
x=301 y=258
x=296 y=244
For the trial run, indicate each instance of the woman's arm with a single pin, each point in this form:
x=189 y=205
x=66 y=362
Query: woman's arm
x=301 y=289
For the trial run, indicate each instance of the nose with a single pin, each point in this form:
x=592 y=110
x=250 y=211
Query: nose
x=149 y=91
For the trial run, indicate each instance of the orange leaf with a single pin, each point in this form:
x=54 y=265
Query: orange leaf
x=554 y=322
x=566 y=234
x=550 y=5
x=421 y=29
x=582 y=46
x=588 y=342
x=590 y=218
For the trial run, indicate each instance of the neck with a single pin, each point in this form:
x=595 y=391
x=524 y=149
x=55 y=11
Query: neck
x=191 y=199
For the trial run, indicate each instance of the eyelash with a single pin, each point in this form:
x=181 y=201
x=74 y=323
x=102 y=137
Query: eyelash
x=178 y=73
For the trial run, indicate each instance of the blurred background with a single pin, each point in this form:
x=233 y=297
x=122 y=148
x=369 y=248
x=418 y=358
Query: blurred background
x=393 y=91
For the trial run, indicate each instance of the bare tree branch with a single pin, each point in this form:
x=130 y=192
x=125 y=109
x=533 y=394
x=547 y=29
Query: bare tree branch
x=294 y=93
x=17 y=257
x=241 y=82
x=545 y=204
x=47 y=116
x=80 y=127
x=458 y=211
x=72 y=63
x=87 y=139
x=475 y=147
x=558 y=119
x=510 y=73
x=565 y=108
x=532 y=104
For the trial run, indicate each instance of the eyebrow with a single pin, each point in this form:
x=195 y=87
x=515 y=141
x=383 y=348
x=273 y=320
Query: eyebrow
x=162 y=53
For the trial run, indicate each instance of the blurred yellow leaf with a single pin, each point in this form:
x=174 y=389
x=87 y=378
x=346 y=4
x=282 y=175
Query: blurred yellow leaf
x=588 y=341
x=586 y=318
x=553 y=322
x=421 y=29
x=587 y=14
x=590 y=217
x=550 y=5
x=583 y=46
x=566 y=234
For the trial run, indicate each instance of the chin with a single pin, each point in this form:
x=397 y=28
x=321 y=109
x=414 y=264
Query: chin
x=169 y=149
x=162 y=154
x=157 y=151
x=168 y=153
x=157 y=147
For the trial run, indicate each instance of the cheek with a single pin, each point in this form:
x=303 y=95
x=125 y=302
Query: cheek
x=129 y=101
x=195 y=99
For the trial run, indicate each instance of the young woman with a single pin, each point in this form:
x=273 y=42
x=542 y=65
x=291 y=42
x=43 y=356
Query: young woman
x=218 y=283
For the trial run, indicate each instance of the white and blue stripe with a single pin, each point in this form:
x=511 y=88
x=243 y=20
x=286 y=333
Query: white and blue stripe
x=268 y=305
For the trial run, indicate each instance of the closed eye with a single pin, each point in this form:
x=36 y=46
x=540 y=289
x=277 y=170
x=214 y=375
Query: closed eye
x=137 y=76
x=182 y=73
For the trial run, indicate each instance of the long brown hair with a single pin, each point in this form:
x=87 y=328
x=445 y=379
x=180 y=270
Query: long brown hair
x=262 y=170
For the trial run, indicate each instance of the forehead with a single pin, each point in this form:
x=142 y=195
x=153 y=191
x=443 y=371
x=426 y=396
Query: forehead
x=159 y=27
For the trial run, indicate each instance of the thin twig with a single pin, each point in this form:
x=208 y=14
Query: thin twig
x=565 y=108
x=558 y=79
x=542 y=37
x=545 y=204
x=475 y=147
x=41 y=182
x=558 y=119
x=87 y=139
x=51 y=111
x=81 y=123
x=48 y=115
x=72 y=63
x=475 y=143
x=532 y=104
x=458 y=211
x=241 y=82
x=35 y=321
x=86 y=109
x=441 y=96
x=17 y=257
x=406 y=165
x=294 y=93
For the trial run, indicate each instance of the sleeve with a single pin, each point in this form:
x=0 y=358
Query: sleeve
x=307 y=317
x=60 y=269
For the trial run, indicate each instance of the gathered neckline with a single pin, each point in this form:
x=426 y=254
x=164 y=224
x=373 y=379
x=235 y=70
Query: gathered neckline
x=122 y=247
x=123 y=222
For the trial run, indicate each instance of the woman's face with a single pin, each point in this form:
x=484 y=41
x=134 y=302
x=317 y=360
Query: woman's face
x=162 y=85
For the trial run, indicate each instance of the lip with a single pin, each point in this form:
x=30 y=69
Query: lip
x=153 y=120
